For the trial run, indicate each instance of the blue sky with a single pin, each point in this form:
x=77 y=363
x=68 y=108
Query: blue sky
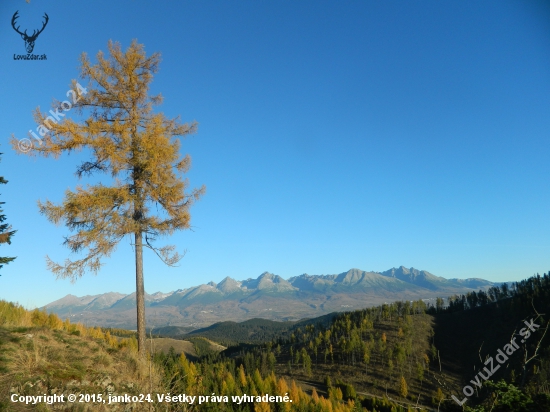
x=332 y=135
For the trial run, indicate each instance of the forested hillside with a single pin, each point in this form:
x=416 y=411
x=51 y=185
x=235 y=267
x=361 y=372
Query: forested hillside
x=383 y=352
x=254 y=331
x=419 y=355
x=474 y=327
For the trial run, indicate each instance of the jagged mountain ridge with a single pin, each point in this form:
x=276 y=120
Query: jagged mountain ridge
x=268 y=296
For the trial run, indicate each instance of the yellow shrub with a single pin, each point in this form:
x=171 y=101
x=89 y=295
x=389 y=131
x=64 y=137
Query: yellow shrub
x=39 y=317
x=54 y=322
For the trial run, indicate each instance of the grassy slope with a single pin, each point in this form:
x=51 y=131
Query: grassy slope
x=39 y=360
x=40 y=354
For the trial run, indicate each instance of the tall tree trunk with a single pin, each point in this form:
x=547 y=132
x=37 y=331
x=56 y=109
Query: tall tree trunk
x=140 y=295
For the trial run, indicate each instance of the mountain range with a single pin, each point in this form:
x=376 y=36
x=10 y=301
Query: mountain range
x=269 y=296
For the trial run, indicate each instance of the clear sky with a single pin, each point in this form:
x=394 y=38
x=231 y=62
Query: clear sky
x=332 y=135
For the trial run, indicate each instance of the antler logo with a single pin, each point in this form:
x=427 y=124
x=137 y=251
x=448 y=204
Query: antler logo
x=29 y=40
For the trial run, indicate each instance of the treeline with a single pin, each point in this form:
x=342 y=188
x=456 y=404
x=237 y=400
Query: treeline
x=535 y=287
x=123 y=333
x=253 y=331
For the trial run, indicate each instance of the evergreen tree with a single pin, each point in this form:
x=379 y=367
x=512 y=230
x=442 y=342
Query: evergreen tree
x=139 y=149
x=5 y=230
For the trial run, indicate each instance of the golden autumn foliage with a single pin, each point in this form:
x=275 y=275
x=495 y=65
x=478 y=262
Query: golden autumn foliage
x=314 y=396
x=13 y=315
x=403 y=387
x=140 y=152
x=132 y=144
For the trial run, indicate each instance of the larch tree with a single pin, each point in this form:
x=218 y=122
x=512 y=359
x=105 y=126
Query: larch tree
x=147 y=196
x=5 y=230
x=403 y=387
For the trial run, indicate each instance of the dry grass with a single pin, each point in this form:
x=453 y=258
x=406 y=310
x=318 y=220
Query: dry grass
x=40 y=354
x=164 y=345
x=37 y=360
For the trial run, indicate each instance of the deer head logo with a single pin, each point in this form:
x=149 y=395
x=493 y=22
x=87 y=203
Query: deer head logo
x=29 y=40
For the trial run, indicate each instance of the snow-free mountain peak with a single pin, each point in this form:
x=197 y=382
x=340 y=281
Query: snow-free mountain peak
x=269 y=296
x=229 y=285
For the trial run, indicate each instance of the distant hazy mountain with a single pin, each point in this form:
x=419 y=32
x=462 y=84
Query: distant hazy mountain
x=269 y=297
x=87 y=303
